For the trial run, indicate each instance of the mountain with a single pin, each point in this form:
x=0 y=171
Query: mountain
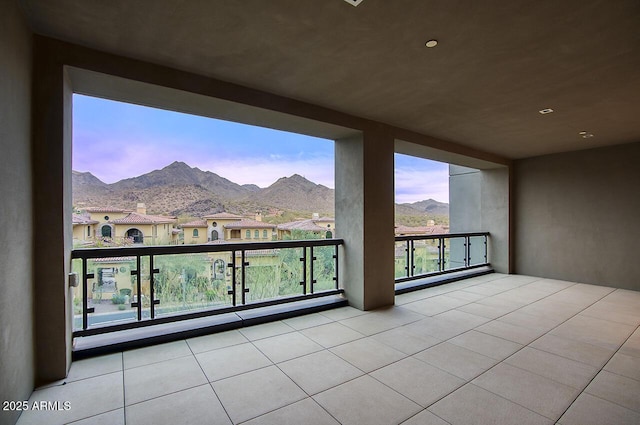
x=179 y=189
x=180 y=174
x=430 y=206
x=296 y=193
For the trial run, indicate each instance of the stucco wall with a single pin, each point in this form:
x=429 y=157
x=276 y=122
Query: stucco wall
x=578 y=216
x=16 y=281
x=479 y=202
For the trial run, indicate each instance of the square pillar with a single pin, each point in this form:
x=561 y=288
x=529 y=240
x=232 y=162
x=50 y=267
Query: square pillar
x=365 y=217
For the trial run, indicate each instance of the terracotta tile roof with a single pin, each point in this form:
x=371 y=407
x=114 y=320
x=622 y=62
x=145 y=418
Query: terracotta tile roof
x=137 y=218
x=421 y=230
x=82 y=219
x=325 y=219
x=195 y=223
x=106 y=210
x=306 y=225
x=247 y=223
x=223 y=215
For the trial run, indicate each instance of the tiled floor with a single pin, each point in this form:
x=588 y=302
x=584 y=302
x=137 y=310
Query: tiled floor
x=495 y=349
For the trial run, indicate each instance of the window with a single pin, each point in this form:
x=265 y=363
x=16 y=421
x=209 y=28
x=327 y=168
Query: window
x=195 y=233
x=264 y=234
x=235 y=234
x=214 y=235
x=88 y=231
x=248 y=236
x=256 y=234
x=106 y=231
x=214 y=224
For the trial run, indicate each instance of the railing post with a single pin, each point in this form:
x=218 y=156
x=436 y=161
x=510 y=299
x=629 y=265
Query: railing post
x=467 y=251
x=152 y=284
x=335 y=257
x=244 y=279
x=485 y=249
x=232 y=266
x=137 y=273
x=304 y=271
x=407 y=263
x=85 y=295
x=311 y=279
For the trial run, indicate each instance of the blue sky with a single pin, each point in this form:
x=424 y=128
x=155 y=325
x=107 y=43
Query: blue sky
x=115 y=140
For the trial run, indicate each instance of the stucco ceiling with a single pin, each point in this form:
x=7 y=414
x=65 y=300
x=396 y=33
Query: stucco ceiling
x=496 y=65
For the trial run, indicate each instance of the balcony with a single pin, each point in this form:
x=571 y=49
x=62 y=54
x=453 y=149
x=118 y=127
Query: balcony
x=496 y=348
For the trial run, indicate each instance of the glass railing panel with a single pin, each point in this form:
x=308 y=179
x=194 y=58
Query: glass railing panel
x=425 y=256
x=272 y=274
x=110 y=292
x=400 y=259
x=324 y=268
x=78 y=292
x=476 y=250
x=190 y=282
x=454 y=253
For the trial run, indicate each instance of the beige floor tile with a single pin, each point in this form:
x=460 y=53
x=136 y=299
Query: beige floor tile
x=616 y=389
x=366 y=401
x=220 y=340
x=155 y=353
x=425 y=418
x=557 y=310
x=484 y=310
x=632 y=346
x=114 y=417
x=460 y=317
x=367 y=354
x=542 y=395
x=287 y=346
x=331 y=334
x=590 y=410
x=469 y=297
x=560 y=369
x=485 y=344
x=446 y=325
x=602 y=333
x=380 y=321
x=539 y=323
x=266 y=330
x=574 y=350
x=418 y=381
x=624 y=365
x=613 y=312
x=255 y=393
x=95 y=366
x=229 y=361
x=307 y=321
x=342 y=313
x=551 y=285
x=306 y=412
x=472 y=405
x=319 y=371
x=458 y=361
x=158 y=379
x=86 y=398
x=198 y=405
x=435 y=305
x=510 y=332
x=402 y=339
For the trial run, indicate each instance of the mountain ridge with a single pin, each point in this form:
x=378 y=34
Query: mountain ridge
x=179 y=189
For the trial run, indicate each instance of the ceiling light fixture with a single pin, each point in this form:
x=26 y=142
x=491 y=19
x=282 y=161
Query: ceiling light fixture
x=545 y=111
x=586 y=134
x=431 y=43
x=354 y=2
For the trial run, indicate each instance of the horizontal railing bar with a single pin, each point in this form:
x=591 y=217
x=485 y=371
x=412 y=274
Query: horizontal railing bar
x=133 y=251
x=106 y=328
x=444 y=235
x=438 y=273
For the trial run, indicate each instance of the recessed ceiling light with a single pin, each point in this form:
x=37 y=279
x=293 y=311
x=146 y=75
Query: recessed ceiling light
x=586 y=134
x=545 y=111
x=354 y=2
x=431 y=43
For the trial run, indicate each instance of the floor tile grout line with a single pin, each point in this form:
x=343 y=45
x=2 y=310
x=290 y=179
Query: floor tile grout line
x=209 y=383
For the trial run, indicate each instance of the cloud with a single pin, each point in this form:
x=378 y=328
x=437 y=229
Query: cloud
x=412 y=185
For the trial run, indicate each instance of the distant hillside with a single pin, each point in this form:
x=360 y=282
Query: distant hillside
x=181 y=190
x=430 y=206
x=296 y=193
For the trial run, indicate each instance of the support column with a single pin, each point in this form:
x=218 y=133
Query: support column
x=365 y=217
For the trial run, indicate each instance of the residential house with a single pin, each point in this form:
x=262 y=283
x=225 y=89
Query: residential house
x=84 y=229
x=248 y=230
x=321 y=227
x=216 y=224
x=195 y=232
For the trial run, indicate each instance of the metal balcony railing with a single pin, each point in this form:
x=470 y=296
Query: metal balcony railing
x=127 y=287
x=419 y=256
